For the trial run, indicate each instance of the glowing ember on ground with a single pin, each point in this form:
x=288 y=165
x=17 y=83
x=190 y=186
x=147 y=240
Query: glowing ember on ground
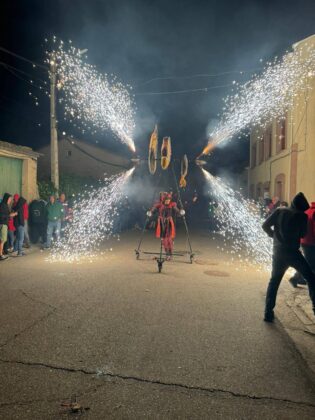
x=239 y=223
x=265 y=97
x=93 y=100
x=93 y=221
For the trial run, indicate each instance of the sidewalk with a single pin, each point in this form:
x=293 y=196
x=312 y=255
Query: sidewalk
x=294 y=311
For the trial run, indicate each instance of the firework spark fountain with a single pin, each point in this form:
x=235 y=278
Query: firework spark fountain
x=93 y=100
x=240 y=223
x=265 y=97
x=93 y=220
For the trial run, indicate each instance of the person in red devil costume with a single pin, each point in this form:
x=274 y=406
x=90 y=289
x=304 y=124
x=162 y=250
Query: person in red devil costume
x=165 y=228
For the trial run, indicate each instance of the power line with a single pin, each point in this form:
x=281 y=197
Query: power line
x=5 y=66
x=22 y=72
x=202 y=75
x=20 y=57
x=94 y=157
x=204 y=90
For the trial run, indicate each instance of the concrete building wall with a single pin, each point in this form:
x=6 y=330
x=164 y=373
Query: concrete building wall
x=291 y=170
x=29 y=179
x=81 y=158
x=28 y=157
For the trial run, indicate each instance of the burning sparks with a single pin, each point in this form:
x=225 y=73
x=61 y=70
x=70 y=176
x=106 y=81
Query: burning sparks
x=239 y=223
x=265 y=97
x=91 y=99
x=94 y=220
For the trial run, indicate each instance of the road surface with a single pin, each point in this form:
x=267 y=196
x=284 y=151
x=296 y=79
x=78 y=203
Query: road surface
x=130 y=343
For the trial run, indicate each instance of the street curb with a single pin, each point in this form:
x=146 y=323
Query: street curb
x=295 y=314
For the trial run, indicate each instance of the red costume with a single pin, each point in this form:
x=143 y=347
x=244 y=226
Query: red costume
x=309 y=238
x=165 y=228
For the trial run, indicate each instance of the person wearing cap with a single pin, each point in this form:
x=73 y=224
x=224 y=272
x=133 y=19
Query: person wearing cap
x=287 y=226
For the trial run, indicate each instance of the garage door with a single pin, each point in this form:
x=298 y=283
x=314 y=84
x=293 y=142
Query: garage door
x=10 y=175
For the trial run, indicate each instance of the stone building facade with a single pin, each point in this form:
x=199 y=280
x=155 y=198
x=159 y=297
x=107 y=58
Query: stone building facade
x=282 y=156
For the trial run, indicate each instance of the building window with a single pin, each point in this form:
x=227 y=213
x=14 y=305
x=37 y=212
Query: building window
x=280 y=187
x=281 y=135
x=267 y=187
x=253 y=157
x=260 y=150
x=69 y=153
x=268 y=142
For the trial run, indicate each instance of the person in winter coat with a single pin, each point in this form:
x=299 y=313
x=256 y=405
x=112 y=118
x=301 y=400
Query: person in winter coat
x=5 y=214
x=26 y=217
x=19 y=226
x=308 y=246
x=38 y=221
x=287 y=226
x=11 y=230
x=67 y=210
x=55 y=213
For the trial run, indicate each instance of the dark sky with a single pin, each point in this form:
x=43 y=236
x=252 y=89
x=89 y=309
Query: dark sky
x=143 y=39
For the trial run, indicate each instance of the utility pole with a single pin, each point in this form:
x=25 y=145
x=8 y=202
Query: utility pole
x=54 y=168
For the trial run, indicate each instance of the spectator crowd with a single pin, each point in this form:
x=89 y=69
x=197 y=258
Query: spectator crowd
x=22 y=223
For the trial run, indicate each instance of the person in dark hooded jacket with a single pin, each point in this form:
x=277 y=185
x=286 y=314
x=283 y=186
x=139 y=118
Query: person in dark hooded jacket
x=5 y=214
x=19 y=222
x=287 y=226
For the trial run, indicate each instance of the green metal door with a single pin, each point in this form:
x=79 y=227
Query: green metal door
x=10 y=175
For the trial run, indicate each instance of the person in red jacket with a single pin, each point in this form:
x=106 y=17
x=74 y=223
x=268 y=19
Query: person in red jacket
x=11 y=230
x=26 y=217
x=308 y=246
x=165 y=228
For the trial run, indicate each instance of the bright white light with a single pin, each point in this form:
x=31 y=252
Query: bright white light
x=266 y=97
x=92 y=99
x=239 y=223
x=94 y=215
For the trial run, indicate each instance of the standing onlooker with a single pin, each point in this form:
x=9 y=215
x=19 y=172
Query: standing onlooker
x=287 y=226
x=5 y=214
x=18 y=208
x=67 y=212
x=26 y=231
x=11 y=230
x=275 y=203
x=38 y=221
x=55 y=214
x=26 y=217
x=308 y=246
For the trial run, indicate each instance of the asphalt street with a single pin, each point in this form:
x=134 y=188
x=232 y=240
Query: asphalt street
x=128 y=342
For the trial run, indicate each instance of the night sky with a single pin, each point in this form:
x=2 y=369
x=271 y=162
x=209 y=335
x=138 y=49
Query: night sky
x=140 y=40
